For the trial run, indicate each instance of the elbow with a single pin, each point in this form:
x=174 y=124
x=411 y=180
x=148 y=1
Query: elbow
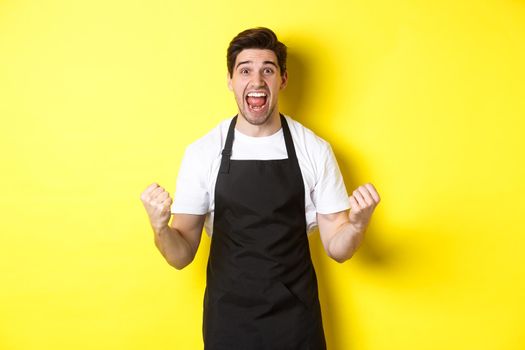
x=339 y=255
x=339 y=258
x=179 y=264
x=180 y=260
x=343 y=252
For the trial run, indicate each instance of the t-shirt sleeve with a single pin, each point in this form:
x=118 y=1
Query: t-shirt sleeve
x=191 y=193
x=330 y=195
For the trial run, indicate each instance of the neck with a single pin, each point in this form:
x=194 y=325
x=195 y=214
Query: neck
x=270 y=127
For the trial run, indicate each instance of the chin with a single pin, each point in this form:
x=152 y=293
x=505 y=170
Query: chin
x=256 y=120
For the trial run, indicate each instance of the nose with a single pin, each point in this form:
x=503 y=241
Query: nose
x=258 y=80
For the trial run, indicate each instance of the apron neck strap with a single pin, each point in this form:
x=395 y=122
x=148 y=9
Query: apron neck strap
x=227 y=150
x=290 y=149
x=228 y=145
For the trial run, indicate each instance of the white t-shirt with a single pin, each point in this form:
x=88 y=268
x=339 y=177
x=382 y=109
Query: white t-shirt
x=325 y=191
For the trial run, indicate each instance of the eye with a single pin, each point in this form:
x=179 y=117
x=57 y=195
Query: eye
x=268 y=70
x=243 y=71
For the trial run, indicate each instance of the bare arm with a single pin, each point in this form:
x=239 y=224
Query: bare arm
x=178 y=242
x=343 y=232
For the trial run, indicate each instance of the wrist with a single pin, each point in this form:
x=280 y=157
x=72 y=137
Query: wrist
x=160 y=229
x=356 y=229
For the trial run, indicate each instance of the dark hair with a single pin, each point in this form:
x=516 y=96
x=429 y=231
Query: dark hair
x=256 y=38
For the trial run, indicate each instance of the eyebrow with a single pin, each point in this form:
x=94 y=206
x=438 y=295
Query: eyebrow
x=265 y=62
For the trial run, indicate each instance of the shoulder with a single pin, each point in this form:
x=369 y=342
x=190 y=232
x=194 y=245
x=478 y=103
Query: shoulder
x=209 y=146
x=306 y=140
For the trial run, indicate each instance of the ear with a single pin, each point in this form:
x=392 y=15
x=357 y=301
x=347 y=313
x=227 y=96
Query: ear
x=284 y=80
x=229 y=78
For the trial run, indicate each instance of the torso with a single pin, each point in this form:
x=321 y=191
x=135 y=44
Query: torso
x=261 y=286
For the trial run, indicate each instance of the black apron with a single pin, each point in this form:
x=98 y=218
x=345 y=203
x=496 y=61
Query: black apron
x=261 y=290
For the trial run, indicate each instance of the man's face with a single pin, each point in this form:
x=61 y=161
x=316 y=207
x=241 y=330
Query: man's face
x=256 y=81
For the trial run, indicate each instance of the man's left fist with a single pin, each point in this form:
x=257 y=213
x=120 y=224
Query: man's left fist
x=363 y=201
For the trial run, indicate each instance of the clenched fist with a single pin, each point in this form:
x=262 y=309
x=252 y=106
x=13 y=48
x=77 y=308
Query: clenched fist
x=363 y=201
x=157 y=202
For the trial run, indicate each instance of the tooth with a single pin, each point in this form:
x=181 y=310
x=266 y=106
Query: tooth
x=257 y=94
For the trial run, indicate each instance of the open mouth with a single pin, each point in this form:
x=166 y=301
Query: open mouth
x=256 y=100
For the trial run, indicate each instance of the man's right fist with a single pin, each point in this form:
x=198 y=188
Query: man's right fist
x=157 y=202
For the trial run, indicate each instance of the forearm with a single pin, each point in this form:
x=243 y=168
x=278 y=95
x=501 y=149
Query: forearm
x=172 y=245
x=345 y=242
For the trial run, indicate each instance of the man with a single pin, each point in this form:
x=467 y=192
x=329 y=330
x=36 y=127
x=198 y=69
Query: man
x=259 y=182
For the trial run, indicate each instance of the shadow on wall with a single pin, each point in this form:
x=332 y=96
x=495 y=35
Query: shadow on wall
x=372 y=253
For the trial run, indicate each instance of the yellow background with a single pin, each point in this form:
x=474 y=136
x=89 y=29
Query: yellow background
x=426 y=100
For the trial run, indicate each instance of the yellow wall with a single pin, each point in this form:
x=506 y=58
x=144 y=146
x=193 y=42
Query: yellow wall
x=425 y=99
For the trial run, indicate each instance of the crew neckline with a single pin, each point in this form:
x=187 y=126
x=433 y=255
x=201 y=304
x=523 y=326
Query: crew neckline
x=276 y=134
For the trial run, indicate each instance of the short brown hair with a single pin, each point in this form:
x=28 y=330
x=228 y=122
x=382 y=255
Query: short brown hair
x=256 y=38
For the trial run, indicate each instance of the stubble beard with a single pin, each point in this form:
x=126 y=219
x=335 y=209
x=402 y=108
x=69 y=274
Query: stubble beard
x=258 y=121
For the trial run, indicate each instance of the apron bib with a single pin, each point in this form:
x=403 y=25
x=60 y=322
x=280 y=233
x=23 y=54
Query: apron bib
x=261 y=290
